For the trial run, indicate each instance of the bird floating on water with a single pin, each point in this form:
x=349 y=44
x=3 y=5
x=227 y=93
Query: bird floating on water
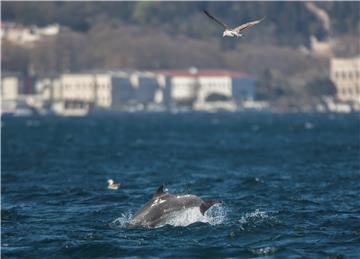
x=235 y=31
x=112 y=185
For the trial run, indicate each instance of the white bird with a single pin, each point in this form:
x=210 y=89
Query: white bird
x=112 y=185
x=235 y=31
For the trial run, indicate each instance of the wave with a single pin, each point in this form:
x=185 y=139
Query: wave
x=10 y=215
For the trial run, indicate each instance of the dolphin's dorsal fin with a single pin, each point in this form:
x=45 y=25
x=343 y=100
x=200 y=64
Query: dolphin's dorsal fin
x=160 y=191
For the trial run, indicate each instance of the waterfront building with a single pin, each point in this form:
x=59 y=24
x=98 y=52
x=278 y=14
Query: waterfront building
x=131 y=90
x=208 y=89
x=10 y=85
x=345 y=73
x=17 y=92
x=145 y=87
x=79 y=94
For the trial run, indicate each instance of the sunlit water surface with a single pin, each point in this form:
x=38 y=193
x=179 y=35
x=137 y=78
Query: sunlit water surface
x=290 y=185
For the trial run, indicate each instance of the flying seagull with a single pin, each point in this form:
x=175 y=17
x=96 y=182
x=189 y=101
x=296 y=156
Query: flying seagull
x=236 y=31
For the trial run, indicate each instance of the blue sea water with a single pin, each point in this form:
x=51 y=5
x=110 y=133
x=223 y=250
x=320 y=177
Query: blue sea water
x=290 y=184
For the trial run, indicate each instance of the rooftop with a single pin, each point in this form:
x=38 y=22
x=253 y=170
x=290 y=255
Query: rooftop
x=201 y=72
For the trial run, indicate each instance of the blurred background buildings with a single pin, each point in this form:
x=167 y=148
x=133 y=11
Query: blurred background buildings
x=77 y=58
x=170 y=90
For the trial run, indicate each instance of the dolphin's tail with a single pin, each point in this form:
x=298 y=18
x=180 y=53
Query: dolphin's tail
x=207 y=204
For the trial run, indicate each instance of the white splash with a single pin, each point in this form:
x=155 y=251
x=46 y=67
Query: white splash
x=264 y=250
x=122 y=221
x=255 y=215
x=256 y=218
x=214 y=216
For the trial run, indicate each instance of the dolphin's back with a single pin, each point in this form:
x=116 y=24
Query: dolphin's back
x=160 y=207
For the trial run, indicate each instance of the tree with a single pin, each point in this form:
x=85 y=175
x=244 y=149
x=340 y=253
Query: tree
x=320 y=87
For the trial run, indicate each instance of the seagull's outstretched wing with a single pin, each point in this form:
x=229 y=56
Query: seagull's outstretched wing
x=216 y=20
x=247 y=25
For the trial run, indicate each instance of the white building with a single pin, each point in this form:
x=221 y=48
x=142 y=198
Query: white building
x=209 y=89
x=79 y=94
x=345 y=73
x=26 y=35
x=17 y=94
x=10 y=86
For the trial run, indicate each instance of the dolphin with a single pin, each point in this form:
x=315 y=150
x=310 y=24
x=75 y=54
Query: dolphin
x=164 y=205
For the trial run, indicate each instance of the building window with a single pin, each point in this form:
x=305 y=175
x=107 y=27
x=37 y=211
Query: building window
x=344 y=91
